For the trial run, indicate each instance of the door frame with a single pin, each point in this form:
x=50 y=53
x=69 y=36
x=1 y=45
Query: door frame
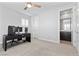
x=70 y=26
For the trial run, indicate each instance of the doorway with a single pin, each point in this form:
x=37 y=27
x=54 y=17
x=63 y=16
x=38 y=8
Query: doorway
x=65 y=26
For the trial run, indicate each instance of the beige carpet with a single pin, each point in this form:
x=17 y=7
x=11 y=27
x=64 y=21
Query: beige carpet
x=40 y=48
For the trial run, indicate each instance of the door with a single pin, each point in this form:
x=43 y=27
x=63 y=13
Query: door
x=75 y=27
x=65 y=24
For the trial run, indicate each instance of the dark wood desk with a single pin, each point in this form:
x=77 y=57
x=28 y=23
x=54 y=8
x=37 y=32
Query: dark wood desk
x=16 y=36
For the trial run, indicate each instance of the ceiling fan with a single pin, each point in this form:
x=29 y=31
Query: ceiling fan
x=30 y=5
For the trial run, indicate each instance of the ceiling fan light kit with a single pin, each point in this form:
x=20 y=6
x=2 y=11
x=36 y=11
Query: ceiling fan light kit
x=30 y=5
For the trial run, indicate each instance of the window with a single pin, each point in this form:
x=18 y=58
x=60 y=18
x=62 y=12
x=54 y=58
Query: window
x=66 y=24
x=24 y=22
x=65 y=20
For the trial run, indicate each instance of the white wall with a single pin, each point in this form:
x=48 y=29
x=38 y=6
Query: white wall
x=48 y=23
x=0 y=22
x=78 y=27
x=46 y=26
x=9 y=17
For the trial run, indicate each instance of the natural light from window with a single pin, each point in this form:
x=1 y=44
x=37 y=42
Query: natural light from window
x=24 y=22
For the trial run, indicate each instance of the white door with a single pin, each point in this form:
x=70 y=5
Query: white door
x=35 y=26
x=78 y=25
x=75 y=27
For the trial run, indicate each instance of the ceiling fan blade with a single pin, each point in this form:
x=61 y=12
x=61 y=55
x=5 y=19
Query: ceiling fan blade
x=36 y=5
x=25 y=8
x=29 y=3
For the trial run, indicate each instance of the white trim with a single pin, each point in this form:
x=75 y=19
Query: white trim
x=78 y=51
x=0 y=39
x=0 y=42
x=53 y=41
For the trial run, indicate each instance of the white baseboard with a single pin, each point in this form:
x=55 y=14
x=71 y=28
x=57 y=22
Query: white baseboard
x=78 y=51
x=49 y=40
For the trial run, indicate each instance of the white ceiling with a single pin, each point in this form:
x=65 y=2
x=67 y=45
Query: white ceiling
x=18 y=6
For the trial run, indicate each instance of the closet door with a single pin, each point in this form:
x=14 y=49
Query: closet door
x=35 y=27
